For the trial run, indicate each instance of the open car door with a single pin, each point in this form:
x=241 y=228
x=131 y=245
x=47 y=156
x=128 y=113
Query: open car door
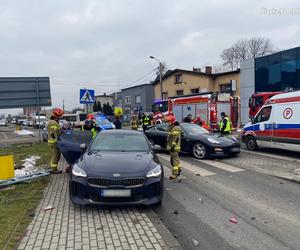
x=69 y=144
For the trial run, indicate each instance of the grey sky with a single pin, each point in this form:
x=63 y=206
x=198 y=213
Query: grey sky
x=106 y=45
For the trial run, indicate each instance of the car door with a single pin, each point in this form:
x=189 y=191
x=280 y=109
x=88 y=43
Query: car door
x=186 y=142
x=263 y=125
x=161 y=134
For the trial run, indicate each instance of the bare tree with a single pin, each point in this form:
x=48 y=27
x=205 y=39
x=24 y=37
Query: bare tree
x=246 y=49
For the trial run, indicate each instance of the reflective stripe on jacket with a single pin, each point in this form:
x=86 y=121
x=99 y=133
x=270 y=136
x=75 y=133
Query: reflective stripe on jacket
x=53 y=132
x=174 y=138
x=146 y=121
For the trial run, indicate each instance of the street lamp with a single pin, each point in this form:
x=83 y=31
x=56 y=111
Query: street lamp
x=160 y=76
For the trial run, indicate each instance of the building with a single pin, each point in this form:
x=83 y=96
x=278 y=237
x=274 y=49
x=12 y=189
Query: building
x=135 y=99
x=276 y=72
x=29 y=111
x=180 y=82
x=104 y=99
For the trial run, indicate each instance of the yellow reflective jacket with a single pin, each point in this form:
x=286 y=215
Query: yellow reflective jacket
x=134 y=124
x=174 y=138
x=227 y=129
x=53 y=132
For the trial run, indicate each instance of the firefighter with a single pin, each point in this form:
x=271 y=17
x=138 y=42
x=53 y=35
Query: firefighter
x=225 y=124
x=134 y=123
x=200 y=122
x=53 y=134
x=145 y=121
x=173 y=144
x=90 y=125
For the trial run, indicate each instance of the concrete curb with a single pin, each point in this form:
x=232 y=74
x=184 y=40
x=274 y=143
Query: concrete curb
x=164 y=232
x=270 y=156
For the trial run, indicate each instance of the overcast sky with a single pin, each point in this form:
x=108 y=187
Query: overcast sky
x=105 y=45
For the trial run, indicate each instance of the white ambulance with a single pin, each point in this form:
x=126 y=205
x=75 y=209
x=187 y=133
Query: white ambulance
x=277 y=124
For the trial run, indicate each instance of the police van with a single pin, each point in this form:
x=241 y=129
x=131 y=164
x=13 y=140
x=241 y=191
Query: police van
x=277 y=124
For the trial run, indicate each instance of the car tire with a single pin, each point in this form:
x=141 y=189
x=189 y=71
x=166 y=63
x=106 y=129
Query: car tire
x=199 y=151
x=251 y=143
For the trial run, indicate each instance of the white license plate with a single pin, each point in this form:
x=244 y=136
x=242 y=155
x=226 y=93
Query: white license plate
x=235 y=150
x=116 y=193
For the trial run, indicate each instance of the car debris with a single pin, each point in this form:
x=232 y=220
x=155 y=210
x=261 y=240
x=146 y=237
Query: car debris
x=297 y=171
x=175 y=212
x=195 y=242
x=233 y=220
x=48 y=208
x=201 y=199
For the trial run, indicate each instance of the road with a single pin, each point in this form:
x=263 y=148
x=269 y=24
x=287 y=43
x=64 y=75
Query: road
x=198 y=209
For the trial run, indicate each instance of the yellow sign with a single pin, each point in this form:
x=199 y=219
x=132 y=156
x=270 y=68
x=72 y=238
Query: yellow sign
x=118 y=111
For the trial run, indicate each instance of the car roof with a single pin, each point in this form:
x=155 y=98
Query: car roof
x=122 y=132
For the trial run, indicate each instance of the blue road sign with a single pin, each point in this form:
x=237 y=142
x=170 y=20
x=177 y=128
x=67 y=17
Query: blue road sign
x=87 y=96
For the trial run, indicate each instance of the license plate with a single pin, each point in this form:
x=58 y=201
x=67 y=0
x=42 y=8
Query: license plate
x=116 y=193
x=235 y=150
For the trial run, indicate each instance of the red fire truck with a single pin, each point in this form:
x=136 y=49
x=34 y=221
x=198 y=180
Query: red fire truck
x=208 y=107
x=257 y=100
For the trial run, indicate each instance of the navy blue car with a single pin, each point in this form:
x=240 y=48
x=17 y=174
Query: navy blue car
x=119 y=167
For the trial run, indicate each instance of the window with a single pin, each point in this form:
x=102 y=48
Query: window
x=195 y=91
x=165 y=95
x=163 y=127
x=127 y=100
x=264 y=115
x=179 y=92
x=178 y=78
x=138 y=99
x=225 y=88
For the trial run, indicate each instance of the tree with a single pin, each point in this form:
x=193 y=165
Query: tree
x=97 y=107
x=246 y=49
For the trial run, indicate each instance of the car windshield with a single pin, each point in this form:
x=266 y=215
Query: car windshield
x=193 y=129
x=104 y=122
x=120 y=142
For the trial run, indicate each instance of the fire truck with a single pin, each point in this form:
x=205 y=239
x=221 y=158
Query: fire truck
x=207 y=106
x=257 y=100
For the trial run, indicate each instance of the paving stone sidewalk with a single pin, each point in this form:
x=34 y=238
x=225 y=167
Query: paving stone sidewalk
x=69 y=226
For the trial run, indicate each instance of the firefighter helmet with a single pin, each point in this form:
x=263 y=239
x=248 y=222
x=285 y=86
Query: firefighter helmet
x=90 y=117
x=57 y=112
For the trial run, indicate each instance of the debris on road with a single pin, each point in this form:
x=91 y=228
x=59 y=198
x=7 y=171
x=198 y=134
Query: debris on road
x=201 y=200
x=297 y=171
x=198 y=174
x=168 y=189
x=48 y=208
x=253 y=218
x=175 y=212
x=233 y=220
x=195 y=242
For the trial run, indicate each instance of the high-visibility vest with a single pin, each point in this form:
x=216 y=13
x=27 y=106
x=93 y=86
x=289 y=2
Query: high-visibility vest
x=53 y=132
x=228 y=125
x=146 y=121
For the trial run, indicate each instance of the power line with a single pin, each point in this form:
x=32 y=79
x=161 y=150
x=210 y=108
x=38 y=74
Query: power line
x=141 y=78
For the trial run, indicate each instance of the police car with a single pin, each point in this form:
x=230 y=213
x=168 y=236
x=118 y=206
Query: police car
x=104 y=123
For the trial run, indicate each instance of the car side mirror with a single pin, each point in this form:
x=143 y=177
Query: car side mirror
x=83 y=147
x=156 y=148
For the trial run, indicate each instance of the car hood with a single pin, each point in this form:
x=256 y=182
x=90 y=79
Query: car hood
x=224 y=140
x=135 y=163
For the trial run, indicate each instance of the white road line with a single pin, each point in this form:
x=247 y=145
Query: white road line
x=222 y=166
x=191 y=167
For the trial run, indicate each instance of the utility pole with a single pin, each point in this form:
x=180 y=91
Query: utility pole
x=160 y=76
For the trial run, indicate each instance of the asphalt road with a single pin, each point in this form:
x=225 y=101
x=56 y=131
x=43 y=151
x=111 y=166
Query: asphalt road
x=198 y=209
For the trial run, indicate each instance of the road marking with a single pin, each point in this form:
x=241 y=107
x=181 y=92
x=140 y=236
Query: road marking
x=191 y=167
x=222 y=166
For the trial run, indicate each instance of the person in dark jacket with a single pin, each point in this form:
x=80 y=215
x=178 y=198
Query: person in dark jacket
x=188 y=119
x=118 y=123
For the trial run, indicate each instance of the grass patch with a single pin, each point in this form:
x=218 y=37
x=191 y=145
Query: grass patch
x=17 y=205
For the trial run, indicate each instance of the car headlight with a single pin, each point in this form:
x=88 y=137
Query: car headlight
x=78 y=172
x=155 y=172
x=212 y=140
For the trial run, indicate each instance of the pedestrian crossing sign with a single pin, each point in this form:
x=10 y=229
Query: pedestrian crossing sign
x=118 y=111
x=87 y=96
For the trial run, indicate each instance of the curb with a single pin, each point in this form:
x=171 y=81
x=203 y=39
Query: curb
x=165 y=233
x=287 y=179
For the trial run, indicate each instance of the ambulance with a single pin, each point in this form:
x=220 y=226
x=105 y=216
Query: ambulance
x=277 y=124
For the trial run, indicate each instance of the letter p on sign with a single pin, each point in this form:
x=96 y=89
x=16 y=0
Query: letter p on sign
x=287 y=113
